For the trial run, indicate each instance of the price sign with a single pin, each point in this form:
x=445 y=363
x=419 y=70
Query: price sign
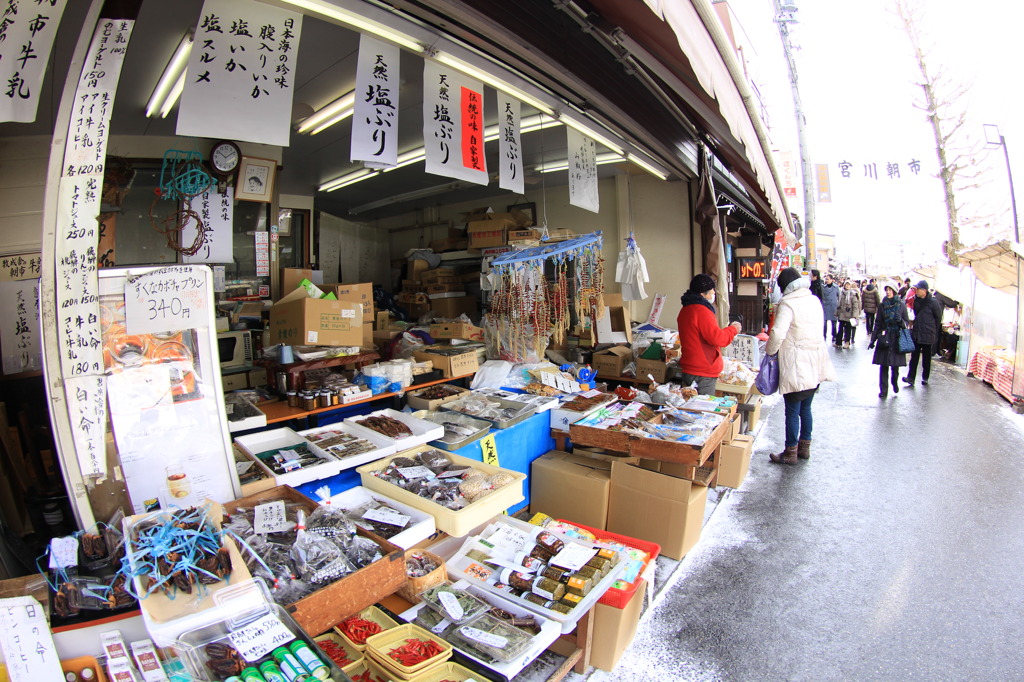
x=166 y=300
x=259 y=638
x=573 y=556
x=28 y=647
x=451 y=604
x=64 y=552
x=490 y=450
x=270 y=518
x=488 y=638
x=415 y=472
x=388 y=516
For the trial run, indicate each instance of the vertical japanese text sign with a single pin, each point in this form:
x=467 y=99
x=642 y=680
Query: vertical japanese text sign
x=453 y=115
x=375 y=122
x=582 y=170
x=27 y=30
x=28 y=646
x=19 y=326
x=215 y=210
x=240 y=76
x=509 y=148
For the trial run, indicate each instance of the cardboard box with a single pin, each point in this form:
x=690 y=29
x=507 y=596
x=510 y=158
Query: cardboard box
x=611 y=361
x=572 y=487
x=523 y=235
x=755 y=414
x=416 y=268
x=614 y=630
x=449 y=308
x=299 y=320
x=449 y=244
x=614 y=326
x=490 y=229
x=734 y=461
x=367 y=335
x=451 y=365
x=456 y=330
x=358 y=293
x=292 y=278
x=383 y=338
x=654 y=368
x=657 y=507
x=445 y=288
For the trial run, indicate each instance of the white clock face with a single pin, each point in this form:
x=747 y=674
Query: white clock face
x=225 y=158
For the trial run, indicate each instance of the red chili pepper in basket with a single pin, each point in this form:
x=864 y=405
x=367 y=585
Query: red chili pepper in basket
x=415 y=651
x=359 y=629
x=337 y=653
x=365 y=676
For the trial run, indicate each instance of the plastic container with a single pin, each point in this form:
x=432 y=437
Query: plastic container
x=524 y=411
x=471 y=607
x=448 y=671
x=615 y=597
x=379 y=646
x=264 y=441
x=385 y=446
x=509 y=643
x=371 y=613
x=421 y=524
x=455 y=442
x=454 y=522
x=377 y=673
x=422 y=431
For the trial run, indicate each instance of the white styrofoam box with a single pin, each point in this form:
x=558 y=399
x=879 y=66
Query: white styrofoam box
x=422 y=431
x=385 y=446
x=253 y=417
x=256 y=443
x=421 y=526
x=562 y=419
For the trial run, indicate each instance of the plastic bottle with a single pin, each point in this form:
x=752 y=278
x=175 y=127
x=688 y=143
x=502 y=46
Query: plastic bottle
x=316 y=667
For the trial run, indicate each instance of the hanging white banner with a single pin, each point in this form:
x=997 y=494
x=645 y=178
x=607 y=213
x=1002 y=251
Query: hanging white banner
x=21 y=266
x=582 y=170
x=19 y=326
x=453 y=124
x=241 y=73
x=86 y=150
x=26 y=39
x=87 y=410
x=215 y=210
x=510 y=151
x=375 y=121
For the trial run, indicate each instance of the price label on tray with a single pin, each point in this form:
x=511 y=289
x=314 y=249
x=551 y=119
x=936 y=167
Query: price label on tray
x=388 y=516
x=509 y=538
x=64 y=552
x=415 y=472
x=271 y=518
x=441 y=627
x=592 y=393
x=451 y=604
x=573 y=556
x=259 y=638
x=490 y=639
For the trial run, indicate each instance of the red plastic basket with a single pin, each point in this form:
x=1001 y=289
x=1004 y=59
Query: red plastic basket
x=615 y=597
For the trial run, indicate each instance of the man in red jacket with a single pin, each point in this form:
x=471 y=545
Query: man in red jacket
x=700 y=337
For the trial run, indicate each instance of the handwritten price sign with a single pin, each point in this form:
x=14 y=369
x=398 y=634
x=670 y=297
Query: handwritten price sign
x=490 y=450
x=27 y=644
x=259 y=638
x=166 y=300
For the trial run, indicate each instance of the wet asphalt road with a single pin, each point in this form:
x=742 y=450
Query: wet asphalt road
x=895 y=553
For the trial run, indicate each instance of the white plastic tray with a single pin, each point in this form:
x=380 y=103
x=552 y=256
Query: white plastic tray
x=421 y=526
x=458 y=564
x=385 y=446
x=422 y=431
x=482 y=426
x=549 y=631
x=281 y=438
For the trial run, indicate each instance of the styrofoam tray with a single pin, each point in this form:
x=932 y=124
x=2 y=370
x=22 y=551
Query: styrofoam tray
x=561 y=418
x=482 y=426
x=549 y=630
x=256 y=443
x=385 y=446
x=541 y=403
x=421 y=526
x=422 y=431
x=458 y=564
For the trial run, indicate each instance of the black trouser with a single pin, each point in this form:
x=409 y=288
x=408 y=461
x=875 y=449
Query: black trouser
x=869 y=321
x=835 y=329
x=846 y=332
x=887 y=374
x=923 y=353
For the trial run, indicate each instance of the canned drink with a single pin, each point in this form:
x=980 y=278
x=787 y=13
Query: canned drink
x=252 y=675
x=316 y=667
x=272 y=673
x=291 y=668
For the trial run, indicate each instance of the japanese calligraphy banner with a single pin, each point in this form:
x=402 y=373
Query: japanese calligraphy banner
x=509 y=147
x=86 y=149
x=215 y=210
x=453 y=124
x=240 y=77
x=87 y=409
x=29 y=652
x=582 y=154
x=26 y=38
x=21 y=266
x=19 y=333
x=77 y=285
x=824 y=186
x=375 y=122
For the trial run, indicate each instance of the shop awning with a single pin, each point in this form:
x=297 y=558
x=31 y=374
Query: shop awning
x=996 y=264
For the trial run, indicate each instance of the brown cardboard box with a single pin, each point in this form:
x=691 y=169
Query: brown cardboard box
x=456 y=330
x=656 y=507
x=367 y=335
x=571 y=487
x=734 y=461
x=610 y=362
x=654 y=368
x=292 y=277
x=449 y=244
x=614 y=629
x=417 y=267
x=604 y=455
x=449 y=308
x=614 y=326
x=491 y=231
x=299 y=320
x=445 y=288
x=451 y=365
x=523 y=235
x=438 y=274
x=358 y=293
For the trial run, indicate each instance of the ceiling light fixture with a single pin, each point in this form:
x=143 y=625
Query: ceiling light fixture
x=494 y=82
x=346 y=180
x=600 y=160
x=359 y=23
x=590 y=132
x=647 y=166
x=335 y=112
x=166 y=92
x=410 y=196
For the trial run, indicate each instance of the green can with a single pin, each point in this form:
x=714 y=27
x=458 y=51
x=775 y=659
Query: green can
x=291 y=668
x=316 y=667
x=272 y=673
x=251 y=674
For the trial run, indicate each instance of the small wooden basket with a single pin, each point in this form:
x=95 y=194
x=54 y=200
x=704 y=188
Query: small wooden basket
x=410 y=591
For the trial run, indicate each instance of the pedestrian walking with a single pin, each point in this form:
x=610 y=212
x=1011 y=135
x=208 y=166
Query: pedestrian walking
x=869 y=300
x=803 y=361
x=700 y=337
x=902 y=293
x=849 y=313
x=926 y=328
x=885 y=337
x=816 y=283
x=830 y=305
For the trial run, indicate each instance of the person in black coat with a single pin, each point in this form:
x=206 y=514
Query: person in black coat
x=926 y=330
x=891 y=318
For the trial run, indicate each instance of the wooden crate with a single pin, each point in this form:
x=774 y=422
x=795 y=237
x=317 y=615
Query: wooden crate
x=651 y=448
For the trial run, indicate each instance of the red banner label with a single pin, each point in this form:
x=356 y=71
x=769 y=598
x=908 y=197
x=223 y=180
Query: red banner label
x=473 y=130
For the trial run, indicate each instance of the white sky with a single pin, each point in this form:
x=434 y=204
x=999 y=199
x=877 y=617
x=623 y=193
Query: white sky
x=857 y=76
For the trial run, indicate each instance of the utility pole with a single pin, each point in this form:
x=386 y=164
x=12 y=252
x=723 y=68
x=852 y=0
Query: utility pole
x=785 y=14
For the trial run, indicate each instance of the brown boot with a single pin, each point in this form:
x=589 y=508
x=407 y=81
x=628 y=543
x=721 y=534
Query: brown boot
x=803 y=449
x=787 y=456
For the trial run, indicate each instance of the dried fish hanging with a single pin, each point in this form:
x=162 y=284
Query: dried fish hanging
x=531 y=305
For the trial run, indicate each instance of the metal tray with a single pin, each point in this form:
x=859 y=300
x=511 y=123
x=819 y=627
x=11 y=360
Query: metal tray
x=526 y=411
x=482 y=425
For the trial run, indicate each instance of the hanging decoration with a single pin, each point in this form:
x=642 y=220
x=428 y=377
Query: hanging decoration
x=182 y=179
x=539 y=291
x=631 y=272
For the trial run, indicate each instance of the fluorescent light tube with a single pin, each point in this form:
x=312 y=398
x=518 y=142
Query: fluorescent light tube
x=359 y=23
x=345 y=180
x=336 y=111
x=494 y=81
x=174 y=71
x=589 y=132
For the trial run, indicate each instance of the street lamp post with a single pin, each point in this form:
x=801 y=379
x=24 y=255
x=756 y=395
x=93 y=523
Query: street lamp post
x=992 y=132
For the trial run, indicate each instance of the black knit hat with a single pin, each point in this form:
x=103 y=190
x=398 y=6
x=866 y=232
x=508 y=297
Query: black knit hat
x=701 y=283
x=787 y=277
x=922 y=285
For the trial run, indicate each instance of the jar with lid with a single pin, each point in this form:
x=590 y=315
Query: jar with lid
x=323 y=399
x=293 y=399
x=308 y=401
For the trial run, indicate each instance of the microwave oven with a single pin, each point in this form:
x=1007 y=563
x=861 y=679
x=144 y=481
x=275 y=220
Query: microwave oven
x=235 y=349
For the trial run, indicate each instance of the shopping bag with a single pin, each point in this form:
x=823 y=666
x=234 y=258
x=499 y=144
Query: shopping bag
x=767 y=381
x=906 y=343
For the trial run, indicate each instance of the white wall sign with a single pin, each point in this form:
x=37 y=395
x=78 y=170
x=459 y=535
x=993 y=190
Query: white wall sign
x=375 y=121
x=241 y=73
x=28 y=646
x=453 y=128
x=582 y=170
x=23 y=266
x=87 y=408
x=26 y=38
x=510 y=150
x=166 y=300
x=215 y=210
x=86 y=150
x=19 y=326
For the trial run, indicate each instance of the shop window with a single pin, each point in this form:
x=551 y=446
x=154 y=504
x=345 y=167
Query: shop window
x=293 y=237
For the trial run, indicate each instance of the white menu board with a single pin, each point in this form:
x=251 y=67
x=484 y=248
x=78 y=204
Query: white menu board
x=26 y=39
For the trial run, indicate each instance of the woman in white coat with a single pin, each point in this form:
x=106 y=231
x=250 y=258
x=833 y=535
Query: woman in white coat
x=803 y=361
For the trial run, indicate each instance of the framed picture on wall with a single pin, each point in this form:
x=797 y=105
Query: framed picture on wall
x=256 y=179
x=529 y=209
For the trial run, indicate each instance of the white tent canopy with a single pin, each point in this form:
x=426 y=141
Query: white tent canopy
x=995 y=265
